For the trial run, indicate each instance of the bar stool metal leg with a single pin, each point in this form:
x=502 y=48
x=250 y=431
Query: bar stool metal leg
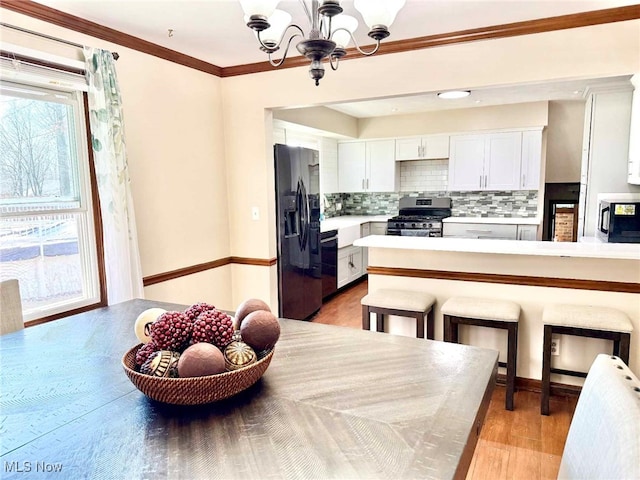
x=546 y=370
x=511 y=364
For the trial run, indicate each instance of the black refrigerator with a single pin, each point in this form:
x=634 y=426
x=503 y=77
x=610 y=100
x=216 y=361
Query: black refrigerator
x=297 y=173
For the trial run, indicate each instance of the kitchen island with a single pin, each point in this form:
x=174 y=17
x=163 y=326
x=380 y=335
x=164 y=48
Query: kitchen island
x=533 y=274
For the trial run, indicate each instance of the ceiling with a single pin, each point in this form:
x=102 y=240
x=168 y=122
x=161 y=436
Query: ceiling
x=214 y=31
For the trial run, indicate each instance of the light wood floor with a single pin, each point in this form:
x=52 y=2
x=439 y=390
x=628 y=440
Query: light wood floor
x=521 y=444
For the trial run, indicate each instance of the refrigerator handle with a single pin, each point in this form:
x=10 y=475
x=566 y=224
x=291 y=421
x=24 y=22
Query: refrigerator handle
x=303 y=212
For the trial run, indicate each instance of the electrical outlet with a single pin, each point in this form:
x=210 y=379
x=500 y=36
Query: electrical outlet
x=255 y=213
x=338 y=207
x=555 y=345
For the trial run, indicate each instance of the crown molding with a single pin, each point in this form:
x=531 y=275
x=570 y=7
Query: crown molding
x=562 y=22
x=56 y=17
x=550 y=24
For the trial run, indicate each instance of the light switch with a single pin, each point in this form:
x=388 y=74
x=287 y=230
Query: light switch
x=255 y=213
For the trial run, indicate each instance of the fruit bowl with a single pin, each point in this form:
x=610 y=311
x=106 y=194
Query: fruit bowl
x=195 y=390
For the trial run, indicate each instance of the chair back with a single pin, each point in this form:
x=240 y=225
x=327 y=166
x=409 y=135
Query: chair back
x=604 y=435
x=10 y=307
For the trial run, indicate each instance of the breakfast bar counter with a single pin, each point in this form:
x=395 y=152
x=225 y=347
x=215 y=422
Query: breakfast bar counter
x=335 y=402
x=530 y=273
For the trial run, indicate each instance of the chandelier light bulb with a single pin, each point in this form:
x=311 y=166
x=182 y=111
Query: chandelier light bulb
x=278 y=21
x=342 y=37
x=264 y=8
x=378 y=12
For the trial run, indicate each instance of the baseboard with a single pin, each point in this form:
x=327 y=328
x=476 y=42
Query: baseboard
x=533 y=385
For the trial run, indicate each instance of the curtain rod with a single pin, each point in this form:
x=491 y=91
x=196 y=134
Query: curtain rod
x=49 y=37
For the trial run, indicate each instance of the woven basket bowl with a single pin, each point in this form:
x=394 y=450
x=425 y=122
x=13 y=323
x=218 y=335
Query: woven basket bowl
x=194 y=390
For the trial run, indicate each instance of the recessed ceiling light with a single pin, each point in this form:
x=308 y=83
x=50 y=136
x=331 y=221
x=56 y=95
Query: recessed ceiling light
x=394 y=109
x=454 y=94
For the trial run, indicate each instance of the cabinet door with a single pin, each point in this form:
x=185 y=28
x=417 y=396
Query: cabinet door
x=466 y=162
x=355 y=264
x=503 y=153
x=531 y=160
x=436 y=146
x=527 y=232
x=351 y=166
x=408 y=148
x=381 y=166
x=343 y=266
x=378 y=228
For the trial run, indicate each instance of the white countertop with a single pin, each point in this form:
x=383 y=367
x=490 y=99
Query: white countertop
x=626 y=251
x=495 y=220
x=345 y=221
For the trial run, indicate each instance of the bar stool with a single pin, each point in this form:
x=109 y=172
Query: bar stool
x=582 y=321
x=485 y=312
x=403 y=303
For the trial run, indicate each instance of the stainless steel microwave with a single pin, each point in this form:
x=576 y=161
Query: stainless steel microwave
x=619 y=221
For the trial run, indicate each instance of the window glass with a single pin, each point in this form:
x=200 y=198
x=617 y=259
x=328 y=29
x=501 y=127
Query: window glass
x=46 y=215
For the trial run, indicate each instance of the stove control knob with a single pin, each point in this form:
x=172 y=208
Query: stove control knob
x=413 y=225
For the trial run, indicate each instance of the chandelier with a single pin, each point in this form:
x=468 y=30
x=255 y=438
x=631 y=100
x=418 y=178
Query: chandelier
x=330 y=31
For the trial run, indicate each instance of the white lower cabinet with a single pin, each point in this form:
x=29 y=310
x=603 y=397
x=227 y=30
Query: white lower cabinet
x=527 y=232
x=349 y=265
x=490 y=230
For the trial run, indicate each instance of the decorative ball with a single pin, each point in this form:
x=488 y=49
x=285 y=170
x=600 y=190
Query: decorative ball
x=145 y=351
x=171 y=331
x=196 y=309
x=248 y=306
x=144 y=321
x=238 y=355
x=260 y=330
x=163 y=363
x=213 y=326
x=201 y=359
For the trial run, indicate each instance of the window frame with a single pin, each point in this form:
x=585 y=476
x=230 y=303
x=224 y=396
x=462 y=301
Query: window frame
x=89 y=206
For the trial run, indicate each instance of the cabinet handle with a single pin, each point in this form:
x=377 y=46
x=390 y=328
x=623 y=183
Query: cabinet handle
x=485 y=181
x=480 y=181
x=363 y=183
x=524 y=177
x=367 y=184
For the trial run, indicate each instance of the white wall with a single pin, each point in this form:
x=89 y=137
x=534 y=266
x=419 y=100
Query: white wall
x=519 y=115
x=564 y=141
x=175 y=145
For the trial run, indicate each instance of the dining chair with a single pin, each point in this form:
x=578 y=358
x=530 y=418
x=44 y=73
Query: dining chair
x=10 y=307
x=604 y=435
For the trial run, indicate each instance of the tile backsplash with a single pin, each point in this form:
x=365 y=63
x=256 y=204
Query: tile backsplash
x=424 y=175
x=516 y=203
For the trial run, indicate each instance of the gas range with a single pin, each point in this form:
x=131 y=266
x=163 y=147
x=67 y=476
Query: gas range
x=420 y=217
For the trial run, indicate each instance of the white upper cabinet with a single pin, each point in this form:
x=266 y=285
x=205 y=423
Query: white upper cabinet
x=634 y=133
x=503 y=152
x=496 y=161
x=367 y=166
x=421 y=148
x=531 y=160
x=351 y=166
x=466 y=162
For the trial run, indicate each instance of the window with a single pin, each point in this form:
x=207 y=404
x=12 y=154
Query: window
x=47 y=231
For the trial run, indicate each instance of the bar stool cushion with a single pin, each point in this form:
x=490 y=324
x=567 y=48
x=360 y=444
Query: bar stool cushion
x=399 y=300
x=482 y=308
x=587 y=316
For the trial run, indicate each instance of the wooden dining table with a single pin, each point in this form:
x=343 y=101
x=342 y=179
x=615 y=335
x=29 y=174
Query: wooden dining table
x=335 y=402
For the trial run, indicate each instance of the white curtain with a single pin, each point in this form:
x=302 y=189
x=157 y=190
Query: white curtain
x=122 y=258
